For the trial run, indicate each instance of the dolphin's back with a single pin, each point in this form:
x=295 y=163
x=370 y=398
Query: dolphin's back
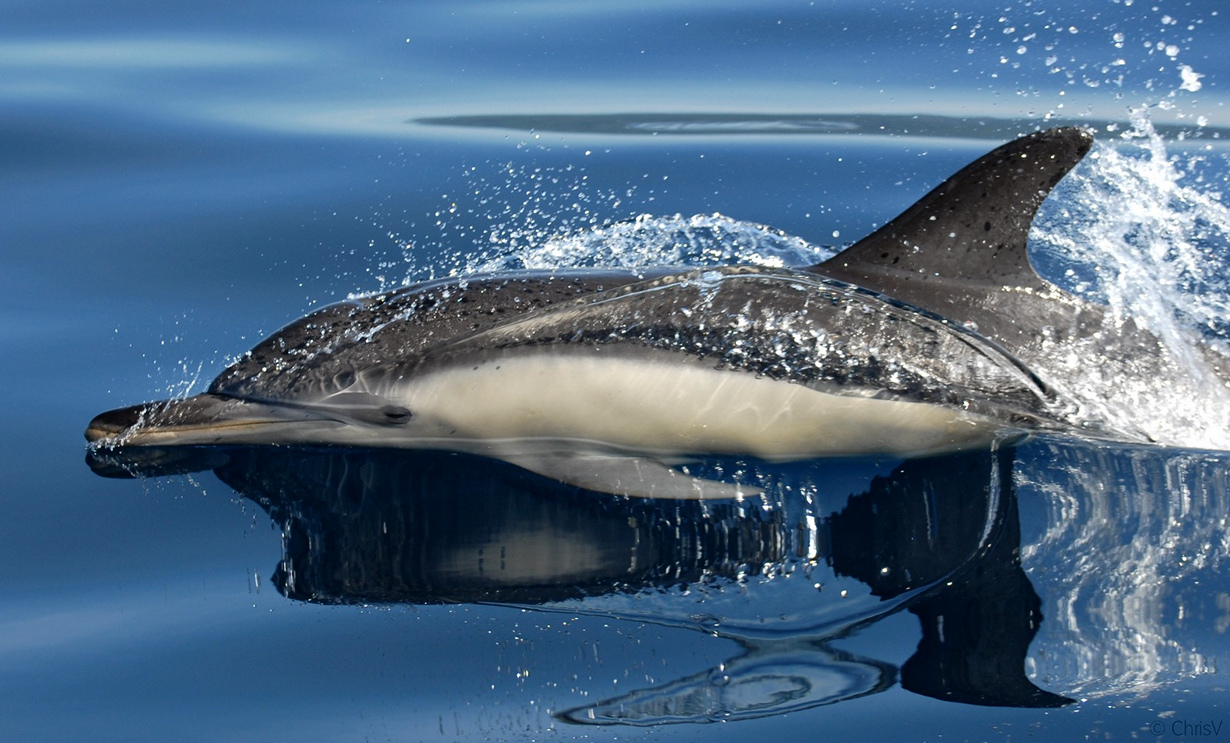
x=321 y=353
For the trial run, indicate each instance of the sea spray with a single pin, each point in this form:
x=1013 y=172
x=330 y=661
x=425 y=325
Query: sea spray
x=1137 y=235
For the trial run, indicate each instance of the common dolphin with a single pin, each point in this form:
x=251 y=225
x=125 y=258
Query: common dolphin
x=900 y=345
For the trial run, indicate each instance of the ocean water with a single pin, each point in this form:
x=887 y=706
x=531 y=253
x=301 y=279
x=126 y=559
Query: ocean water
x=179 y=180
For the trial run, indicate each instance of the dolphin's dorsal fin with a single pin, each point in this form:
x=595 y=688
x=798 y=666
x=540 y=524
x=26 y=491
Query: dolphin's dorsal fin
x=973 y=226
x=963 y=244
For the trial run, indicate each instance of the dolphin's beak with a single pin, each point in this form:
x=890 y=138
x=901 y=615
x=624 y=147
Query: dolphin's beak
x=201 y=419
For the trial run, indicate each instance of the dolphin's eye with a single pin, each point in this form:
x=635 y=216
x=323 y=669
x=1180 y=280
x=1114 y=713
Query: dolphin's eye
x=395 y=414
x=344 y=380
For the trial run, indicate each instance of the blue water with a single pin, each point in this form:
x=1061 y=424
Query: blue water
x=178 y=180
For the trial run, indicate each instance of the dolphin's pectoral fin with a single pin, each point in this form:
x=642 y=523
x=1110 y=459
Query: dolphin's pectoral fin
x=639 y=477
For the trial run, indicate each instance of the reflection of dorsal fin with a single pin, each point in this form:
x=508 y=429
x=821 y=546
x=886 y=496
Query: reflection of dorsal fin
x=962 y=244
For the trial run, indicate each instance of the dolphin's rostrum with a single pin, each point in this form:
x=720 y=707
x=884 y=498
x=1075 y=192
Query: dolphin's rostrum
x=609 y=379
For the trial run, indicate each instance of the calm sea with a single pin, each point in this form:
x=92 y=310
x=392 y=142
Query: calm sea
x=178 y=180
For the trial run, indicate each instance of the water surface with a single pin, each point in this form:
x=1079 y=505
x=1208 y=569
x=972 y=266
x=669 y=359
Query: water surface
x=180 y=180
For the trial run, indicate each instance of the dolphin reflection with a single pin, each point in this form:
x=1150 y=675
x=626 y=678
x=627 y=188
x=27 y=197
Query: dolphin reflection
x=936 y=536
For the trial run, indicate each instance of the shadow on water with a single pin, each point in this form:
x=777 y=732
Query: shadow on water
x=783 y=575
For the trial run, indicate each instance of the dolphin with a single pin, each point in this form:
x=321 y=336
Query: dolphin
x=614 y=380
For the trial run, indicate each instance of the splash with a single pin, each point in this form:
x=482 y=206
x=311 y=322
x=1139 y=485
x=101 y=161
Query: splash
x=699 y=240
x=1067 y=61
x=1139 y=230
x=1158 y=242
x=507 y=211
x=545 y=218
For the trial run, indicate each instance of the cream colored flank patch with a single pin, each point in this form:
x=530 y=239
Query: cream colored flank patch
x=656 y=408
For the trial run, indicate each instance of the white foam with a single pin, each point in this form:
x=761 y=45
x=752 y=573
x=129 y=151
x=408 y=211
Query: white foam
x=1140 y=230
